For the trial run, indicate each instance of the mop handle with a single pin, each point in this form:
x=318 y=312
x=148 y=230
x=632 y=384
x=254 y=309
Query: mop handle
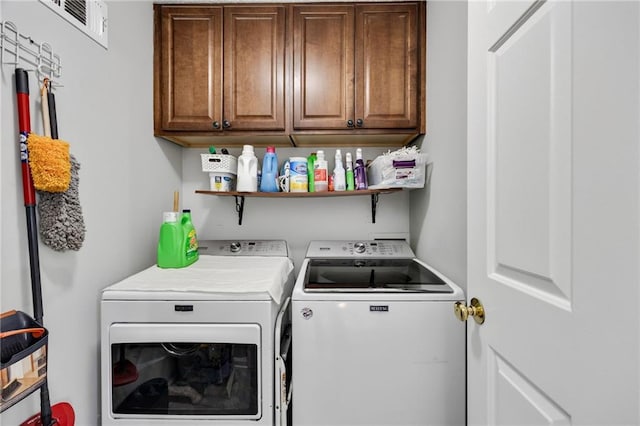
x=53 y=115
x=24 y=123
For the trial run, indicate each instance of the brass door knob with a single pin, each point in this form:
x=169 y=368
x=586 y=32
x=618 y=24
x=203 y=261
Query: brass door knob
x=475 y=310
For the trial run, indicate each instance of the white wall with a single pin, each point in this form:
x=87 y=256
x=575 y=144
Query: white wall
x=105 y=111
x=438 y=213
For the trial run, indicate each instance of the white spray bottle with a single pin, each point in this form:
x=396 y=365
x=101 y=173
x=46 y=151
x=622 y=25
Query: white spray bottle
x=339 y=180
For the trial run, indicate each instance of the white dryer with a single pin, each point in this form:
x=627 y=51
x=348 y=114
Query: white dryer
x=204 y=344
x=375 y=340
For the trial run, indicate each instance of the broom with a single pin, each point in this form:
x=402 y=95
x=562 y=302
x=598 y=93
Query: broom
x=63 y=414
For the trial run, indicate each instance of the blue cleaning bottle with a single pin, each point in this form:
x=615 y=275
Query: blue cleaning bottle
x=269 y=180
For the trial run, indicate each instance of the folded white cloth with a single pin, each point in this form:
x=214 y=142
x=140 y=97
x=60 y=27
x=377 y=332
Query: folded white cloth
x=216 y=274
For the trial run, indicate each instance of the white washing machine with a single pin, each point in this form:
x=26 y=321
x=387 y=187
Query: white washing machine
x=375 y=340
x=205 y=344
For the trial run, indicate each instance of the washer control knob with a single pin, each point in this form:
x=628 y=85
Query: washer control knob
x=236 y=246
x=359 y=247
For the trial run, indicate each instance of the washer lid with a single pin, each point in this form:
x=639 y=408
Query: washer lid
x=372 y=275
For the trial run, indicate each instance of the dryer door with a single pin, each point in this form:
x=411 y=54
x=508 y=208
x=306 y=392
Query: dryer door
x=184 y=371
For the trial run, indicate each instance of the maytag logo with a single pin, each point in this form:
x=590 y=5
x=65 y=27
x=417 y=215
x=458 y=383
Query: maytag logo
x=379 y=308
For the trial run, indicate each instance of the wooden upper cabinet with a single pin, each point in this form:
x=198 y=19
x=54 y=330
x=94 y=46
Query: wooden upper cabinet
x=221 y=68
x=294 y=71
x=356 y=67
x=387 y=66
x=254 y=54
x=323 y=64
x=190 y=96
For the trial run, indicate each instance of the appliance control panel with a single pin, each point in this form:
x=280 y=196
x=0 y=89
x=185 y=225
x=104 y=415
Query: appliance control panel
x=276 y=248
x=393 y=249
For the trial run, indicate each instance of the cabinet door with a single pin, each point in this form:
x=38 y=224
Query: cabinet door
x=323 y=67
x=387 y=66
x=191 y=67
x=254 y=51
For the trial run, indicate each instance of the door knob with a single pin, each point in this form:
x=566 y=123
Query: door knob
x=359 y=122
x=216 y=125
x=349 y=123
x=226 y=124
x=475 y=310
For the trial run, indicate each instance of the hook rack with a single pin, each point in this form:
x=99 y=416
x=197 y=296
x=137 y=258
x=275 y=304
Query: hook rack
x=18 y=49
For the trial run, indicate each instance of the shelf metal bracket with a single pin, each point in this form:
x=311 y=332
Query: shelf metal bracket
x=240 y=207
x=374 y=204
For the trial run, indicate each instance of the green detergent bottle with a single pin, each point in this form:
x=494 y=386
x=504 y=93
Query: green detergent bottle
x=190 y=238
x=170 y=242
x=311 y=163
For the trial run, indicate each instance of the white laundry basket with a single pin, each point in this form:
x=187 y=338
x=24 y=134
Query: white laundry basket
x=222 y=170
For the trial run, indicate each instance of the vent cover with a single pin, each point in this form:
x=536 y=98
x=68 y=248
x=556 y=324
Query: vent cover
x=89 y=16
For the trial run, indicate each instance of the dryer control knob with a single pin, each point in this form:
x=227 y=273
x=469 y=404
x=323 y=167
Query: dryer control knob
x=235 y=246
x=359 y=247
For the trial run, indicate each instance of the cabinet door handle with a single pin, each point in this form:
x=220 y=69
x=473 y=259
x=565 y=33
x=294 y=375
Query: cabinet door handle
x=226 y=124
x=359 y=122
x=349 y=123
x=216 y=125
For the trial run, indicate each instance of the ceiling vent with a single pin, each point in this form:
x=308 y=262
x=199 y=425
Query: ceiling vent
x=89 y=16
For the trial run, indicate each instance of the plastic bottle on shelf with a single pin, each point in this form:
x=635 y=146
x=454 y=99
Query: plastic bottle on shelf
x=360 y=172
x=311 y=162
x=339 y=179
x=320 y=173
x=349 y=173
x=269 y=181
x=247 y=176
x=190 y=239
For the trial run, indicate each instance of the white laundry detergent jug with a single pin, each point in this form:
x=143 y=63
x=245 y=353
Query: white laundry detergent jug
x=247 y=176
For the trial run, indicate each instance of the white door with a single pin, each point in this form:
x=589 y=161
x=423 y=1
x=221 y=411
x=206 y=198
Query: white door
x=553 y=212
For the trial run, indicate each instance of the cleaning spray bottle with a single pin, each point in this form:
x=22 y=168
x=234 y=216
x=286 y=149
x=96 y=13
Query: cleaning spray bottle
x=311 y=163
x=349 y=173
x=247 y=176
x=190 y=239
x=360 y=171
x=320 y=172
x=339 y=180
x=269 y=180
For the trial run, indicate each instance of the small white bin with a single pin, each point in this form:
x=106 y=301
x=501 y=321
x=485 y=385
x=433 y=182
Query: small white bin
x=222 y=170
x=222 y=182
x=219 y=163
